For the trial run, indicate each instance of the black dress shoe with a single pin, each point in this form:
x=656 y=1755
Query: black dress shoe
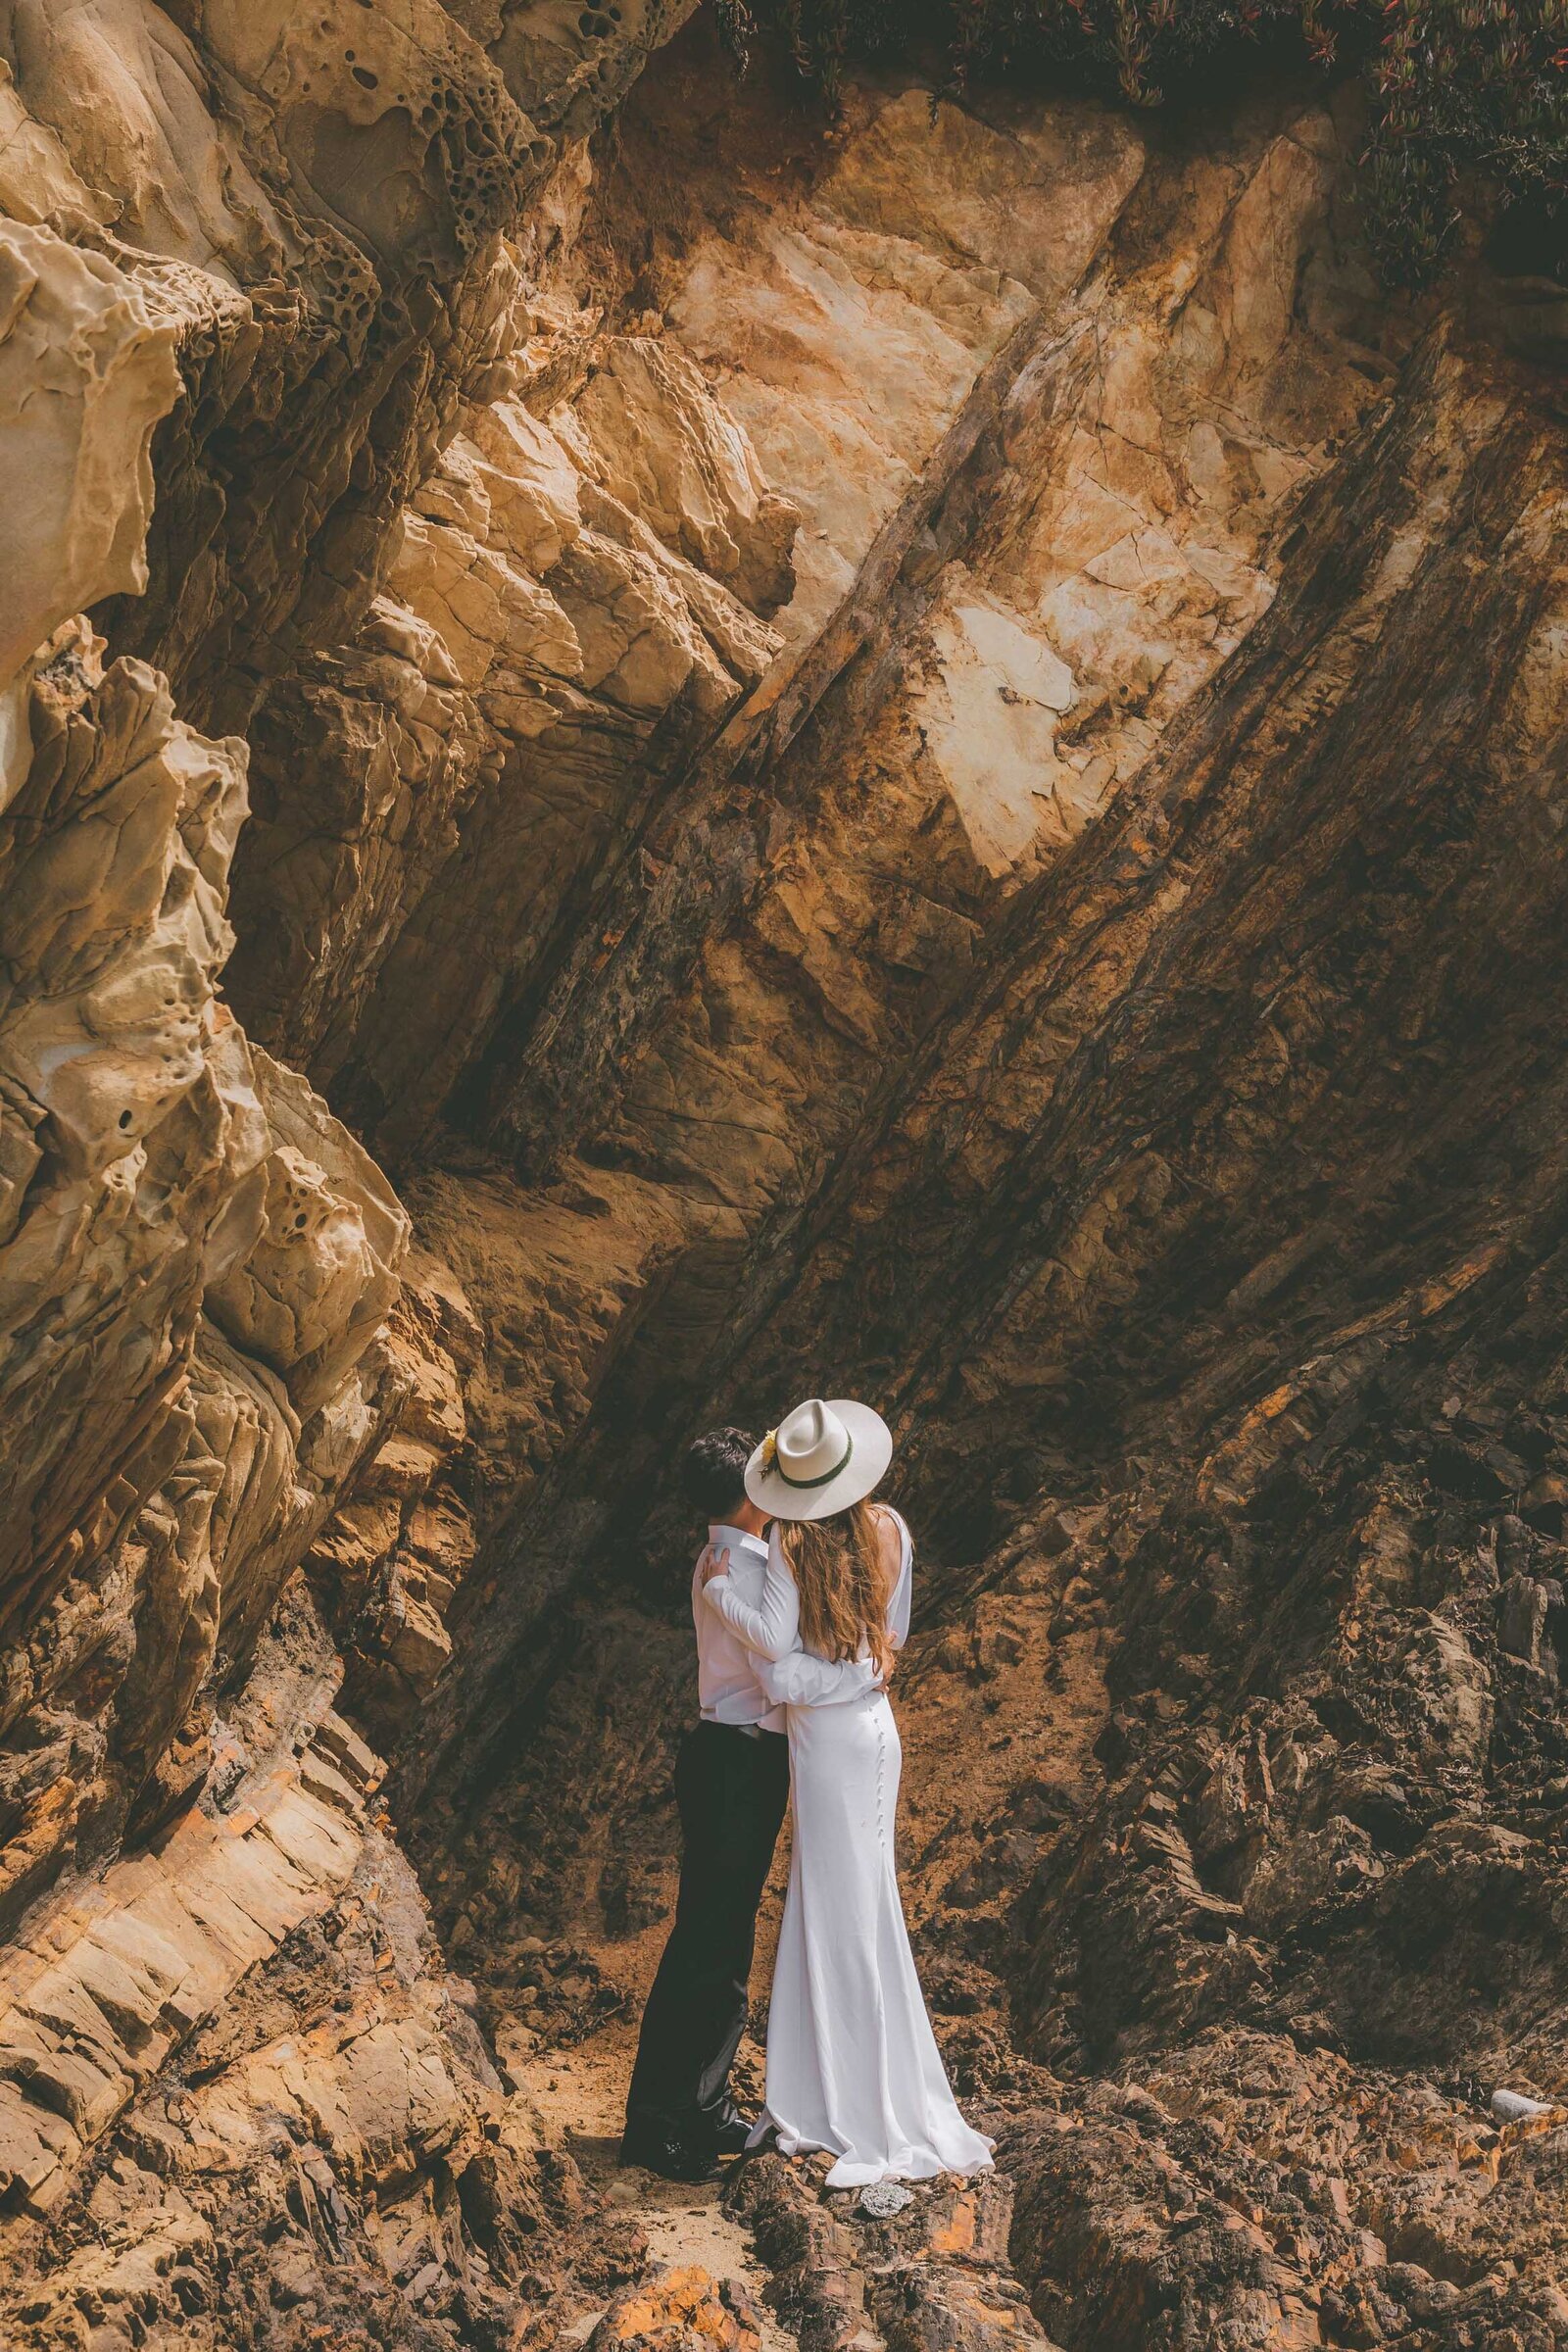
x=732 y=2134
x=672 y=2159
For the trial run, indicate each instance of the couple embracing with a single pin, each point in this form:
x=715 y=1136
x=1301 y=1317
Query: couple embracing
x=800 y=1601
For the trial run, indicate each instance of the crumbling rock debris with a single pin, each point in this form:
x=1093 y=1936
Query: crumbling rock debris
x=932 y=2272
x=881 y=2199
x=679 y=2310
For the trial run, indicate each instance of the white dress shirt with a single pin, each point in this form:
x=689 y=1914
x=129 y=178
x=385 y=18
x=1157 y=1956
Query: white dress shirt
x=729 y=1685
x=771 y=1620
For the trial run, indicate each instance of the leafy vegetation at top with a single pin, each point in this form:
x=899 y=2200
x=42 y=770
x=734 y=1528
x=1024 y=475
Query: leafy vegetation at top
x=1463 y=93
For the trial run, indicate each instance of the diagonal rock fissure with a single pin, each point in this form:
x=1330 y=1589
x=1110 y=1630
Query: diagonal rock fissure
x=911 y=750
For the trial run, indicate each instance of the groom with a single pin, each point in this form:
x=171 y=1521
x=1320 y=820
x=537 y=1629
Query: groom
x=732 y=1781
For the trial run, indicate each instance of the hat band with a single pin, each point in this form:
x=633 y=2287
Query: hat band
x=827 y=1475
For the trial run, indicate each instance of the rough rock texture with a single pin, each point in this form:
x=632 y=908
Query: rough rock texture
x=295 y=2131
x=1187 y=1182
x=921 y=755
x=937 y=2273
x=277 y=233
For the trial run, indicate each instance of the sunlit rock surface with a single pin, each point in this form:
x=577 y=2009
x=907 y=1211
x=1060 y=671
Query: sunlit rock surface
x=653 y=754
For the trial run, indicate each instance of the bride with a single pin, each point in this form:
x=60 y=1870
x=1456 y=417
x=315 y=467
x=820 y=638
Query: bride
x=853 y=2065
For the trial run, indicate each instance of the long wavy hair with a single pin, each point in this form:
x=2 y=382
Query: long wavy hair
x=844 y=1587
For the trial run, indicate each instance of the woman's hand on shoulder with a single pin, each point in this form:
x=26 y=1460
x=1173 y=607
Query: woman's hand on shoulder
x=713 y=1563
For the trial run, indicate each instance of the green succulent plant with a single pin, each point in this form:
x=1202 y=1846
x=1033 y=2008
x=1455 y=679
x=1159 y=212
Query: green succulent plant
x=1464 y=93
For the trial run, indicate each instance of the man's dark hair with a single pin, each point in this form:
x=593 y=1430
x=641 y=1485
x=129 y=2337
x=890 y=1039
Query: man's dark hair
x=714 y=1473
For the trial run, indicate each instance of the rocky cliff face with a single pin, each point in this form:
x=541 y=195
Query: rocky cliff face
x=653 y=755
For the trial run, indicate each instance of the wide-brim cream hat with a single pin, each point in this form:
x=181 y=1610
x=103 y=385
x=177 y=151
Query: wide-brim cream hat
x=822 y=1456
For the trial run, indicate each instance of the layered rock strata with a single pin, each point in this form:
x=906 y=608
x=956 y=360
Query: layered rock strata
x=1204 y=1176
x=922 y=757
x=280 y=238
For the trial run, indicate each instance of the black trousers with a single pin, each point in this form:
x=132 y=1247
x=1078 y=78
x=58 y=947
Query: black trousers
x=731 y=1792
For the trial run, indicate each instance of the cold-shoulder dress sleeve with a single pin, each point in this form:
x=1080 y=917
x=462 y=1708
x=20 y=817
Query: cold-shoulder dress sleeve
x=898 y=1607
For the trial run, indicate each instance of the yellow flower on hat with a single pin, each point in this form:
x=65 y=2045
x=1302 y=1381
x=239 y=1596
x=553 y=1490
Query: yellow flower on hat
x=770 y=1450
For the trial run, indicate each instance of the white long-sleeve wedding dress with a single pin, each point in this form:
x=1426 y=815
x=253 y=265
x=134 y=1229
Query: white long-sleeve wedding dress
x=853 y=2065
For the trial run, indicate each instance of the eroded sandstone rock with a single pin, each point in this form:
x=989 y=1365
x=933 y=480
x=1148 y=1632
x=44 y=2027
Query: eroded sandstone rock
x=819 y=721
